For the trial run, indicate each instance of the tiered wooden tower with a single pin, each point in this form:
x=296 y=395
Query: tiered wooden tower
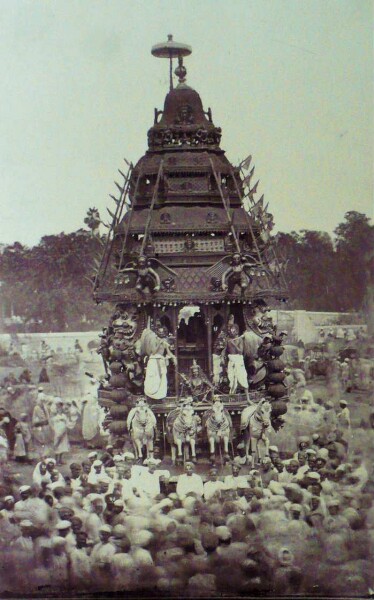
x=189 y=247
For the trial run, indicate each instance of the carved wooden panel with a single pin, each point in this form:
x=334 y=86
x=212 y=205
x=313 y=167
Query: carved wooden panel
x=171 y=246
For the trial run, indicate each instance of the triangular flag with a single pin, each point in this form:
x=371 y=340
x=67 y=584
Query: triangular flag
x=257 y=209
x=254 y=189
x=246 y=162
x=247 y=178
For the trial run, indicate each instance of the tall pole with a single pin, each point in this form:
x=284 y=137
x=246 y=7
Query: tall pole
x=171 y=69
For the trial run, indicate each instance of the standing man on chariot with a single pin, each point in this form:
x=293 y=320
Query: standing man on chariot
x=157 y=348
x=234 y=349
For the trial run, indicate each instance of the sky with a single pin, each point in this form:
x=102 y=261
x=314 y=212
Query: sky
x=289 y=82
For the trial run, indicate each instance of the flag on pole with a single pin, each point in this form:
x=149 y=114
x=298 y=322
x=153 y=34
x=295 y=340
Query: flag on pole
x=246 y=162
x=257 y=209
x=254 y=189
x=247 y=178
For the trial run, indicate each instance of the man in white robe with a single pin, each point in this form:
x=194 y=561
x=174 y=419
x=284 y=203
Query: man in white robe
x=80 y=564
x=158 y=350
x=149 y=481
x=213 y=487
x=189 y=482
x=236 y=371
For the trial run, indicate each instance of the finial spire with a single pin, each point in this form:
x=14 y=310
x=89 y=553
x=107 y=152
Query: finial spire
x=170 y=50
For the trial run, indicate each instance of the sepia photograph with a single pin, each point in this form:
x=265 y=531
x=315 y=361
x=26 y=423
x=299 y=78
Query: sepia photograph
x=187 y=299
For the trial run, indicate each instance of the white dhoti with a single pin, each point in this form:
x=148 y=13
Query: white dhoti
x=217 y=368
x=90 y=418
x=155 y=382
x=236 y=372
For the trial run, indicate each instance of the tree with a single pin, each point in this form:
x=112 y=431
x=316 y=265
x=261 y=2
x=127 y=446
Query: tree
x=50 y=283
x=93 y=220
x=311 y=264
x=354 y=248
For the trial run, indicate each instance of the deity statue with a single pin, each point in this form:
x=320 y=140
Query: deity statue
x=147 y=279
x=236 y=274
x=196 y=385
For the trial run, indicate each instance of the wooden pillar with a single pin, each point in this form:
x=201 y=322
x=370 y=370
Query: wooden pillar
x=174 y=319
x=209 y=323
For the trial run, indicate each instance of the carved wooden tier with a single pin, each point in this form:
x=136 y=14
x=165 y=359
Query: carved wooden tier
x=187 y=217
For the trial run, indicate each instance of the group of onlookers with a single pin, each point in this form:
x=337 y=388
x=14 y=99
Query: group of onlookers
x=303 y=524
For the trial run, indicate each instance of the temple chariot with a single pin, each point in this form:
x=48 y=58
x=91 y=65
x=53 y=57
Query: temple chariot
x=191 y=270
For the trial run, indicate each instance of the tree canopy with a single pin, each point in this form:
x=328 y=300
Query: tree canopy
x=49 y=285
x=326 y=274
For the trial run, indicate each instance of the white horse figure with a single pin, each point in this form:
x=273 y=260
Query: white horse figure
x=218 y=424
x=254 y=423
x=182 y=425
x=141 y=423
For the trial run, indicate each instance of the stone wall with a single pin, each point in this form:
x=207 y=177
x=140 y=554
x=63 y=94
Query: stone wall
x=305 y=325
x=28 y=343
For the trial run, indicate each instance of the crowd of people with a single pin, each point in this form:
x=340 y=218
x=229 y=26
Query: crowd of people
x=349 y=334
x=299 y=521
x=26 y=438
x=107 y=523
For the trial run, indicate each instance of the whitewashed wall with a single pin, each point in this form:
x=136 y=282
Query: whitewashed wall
x=27 y=343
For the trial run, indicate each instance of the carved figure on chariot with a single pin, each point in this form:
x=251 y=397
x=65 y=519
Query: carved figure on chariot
x=147 y=279
x=218 y=424
x=236 y=274
x=196 y=384
x=155 y=347
x=141 y=424
x=182 y=426
x=251 y=361
x=119 y=348
x=142 y=274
